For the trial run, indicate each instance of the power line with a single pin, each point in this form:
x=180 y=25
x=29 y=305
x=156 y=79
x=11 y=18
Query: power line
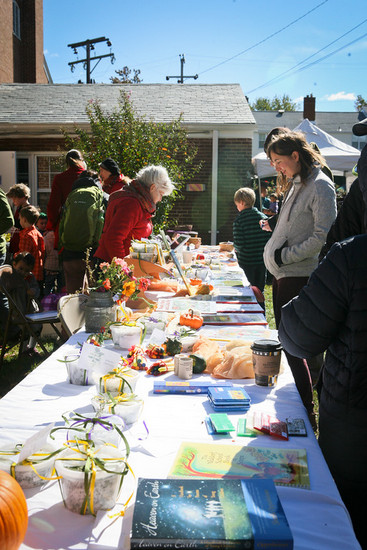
x=264 y=39
x=279 y=77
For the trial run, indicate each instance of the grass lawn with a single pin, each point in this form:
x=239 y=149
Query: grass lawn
x=14 y=369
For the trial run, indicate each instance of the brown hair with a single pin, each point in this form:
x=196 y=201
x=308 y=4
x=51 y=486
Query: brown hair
x=19 y=191
x=29 y=213
x=246 y=195
x=27 y=258
x=285 y=144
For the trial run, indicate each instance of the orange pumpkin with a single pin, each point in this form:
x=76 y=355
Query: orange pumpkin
x=13 y=513
x=190 y=320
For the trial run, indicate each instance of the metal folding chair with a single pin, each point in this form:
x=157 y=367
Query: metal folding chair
x=71 y=312
x=26 y=322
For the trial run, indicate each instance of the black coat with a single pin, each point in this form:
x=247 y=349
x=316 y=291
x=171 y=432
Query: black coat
x=330 y=314
x=352 y=216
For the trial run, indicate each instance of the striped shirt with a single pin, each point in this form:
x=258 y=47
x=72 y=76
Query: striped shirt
x=248 y=237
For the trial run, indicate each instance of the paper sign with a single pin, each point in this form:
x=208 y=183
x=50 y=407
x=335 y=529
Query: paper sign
x=35 y=443
x=98 y=359
x=157 y=337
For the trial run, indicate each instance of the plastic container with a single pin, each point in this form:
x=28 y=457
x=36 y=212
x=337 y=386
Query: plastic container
x=122 y=381
x=30 y=475
x=105 y=490
x=129 y=409
x=266 y=355
x=77 y=375
x=99 y=429
x=125 y=336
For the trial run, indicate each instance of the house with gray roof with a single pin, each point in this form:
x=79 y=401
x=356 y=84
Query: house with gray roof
x=337 y=124
x=217 y=117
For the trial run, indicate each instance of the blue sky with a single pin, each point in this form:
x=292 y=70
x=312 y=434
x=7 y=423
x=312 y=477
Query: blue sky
x=224 y=41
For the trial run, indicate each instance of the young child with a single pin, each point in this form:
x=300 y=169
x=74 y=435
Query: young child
x=248 y=237
x=273 y=206
x=31 y=240
x=24 y=289
x=41 y=223
x=19 y=194
x=52 y=273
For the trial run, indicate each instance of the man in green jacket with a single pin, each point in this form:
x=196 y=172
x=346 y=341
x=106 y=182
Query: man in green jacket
x=6 y=222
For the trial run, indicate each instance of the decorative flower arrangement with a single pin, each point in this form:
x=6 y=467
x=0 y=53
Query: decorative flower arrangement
x=118 y=277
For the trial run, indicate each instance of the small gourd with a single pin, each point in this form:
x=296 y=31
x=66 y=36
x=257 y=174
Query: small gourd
x=13 y=513
x=198 y=363
x=191 y=320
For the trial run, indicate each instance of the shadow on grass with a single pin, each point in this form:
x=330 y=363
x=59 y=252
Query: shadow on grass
x=14 y=369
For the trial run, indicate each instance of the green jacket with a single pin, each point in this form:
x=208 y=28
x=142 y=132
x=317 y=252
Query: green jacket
x=6 y=220
x=248 y=237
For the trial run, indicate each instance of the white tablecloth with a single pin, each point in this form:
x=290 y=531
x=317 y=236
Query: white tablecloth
x=317 y=517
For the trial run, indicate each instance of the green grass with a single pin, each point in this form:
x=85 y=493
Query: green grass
x=14 y=369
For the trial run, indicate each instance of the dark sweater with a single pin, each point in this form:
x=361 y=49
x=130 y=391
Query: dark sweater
x=248 y=237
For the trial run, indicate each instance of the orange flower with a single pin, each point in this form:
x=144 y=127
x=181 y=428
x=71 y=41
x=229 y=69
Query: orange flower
x=129 y=288
x=107 y=284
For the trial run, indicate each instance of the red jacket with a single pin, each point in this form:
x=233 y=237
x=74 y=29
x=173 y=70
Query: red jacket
x=125 y=219
x=61 y=187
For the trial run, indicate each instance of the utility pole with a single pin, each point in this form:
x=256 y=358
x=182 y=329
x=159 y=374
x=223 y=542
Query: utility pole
x=89 y=46
x=181 y=78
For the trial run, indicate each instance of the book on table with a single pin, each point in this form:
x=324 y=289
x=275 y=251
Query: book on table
x=234 y=319
x=209 y=514
x=287 y=467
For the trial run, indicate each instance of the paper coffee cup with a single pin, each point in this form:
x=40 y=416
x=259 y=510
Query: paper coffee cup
x=266 y=355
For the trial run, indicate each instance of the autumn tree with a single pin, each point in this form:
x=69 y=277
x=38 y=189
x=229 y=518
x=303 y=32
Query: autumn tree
x=360 y=103
x=134 y=142
x=284 y=103
x=125 y=77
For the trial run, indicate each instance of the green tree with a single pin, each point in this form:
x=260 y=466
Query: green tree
x=284 y=103
x=134 y=142
x=360 y=103
x=124 y=76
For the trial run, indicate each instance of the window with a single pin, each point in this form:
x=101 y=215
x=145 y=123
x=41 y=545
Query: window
x=16 y=19
x=262 y=138
x=359 y=142
x=47 y=167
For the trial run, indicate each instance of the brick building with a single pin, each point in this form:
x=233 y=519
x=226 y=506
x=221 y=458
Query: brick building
x=217 y=118
x=21 y=42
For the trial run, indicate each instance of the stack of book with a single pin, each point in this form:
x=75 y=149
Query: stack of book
x=229 y=399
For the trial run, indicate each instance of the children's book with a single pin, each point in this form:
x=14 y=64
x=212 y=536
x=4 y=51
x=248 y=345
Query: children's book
x=229 y=399
x=239 y=308
x=209 y=460
x=182 y=304
x=209 y=514
x=235 y=319
x=235 y=298
x=188 y=386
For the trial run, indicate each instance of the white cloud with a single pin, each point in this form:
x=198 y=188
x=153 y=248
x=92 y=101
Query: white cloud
x=341 y=96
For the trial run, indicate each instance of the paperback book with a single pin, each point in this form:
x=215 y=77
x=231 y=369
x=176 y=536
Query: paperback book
x=188 y=386
x=209 y=514
x=286 y=467
x=235 y=319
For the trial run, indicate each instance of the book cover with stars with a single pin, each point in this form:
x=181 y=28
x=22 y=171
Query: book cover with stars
x=209 y=514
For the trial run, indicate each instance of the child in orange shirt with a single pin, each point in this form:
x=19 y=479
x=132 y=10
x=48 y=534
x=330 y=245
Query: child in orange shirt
x=31 y=240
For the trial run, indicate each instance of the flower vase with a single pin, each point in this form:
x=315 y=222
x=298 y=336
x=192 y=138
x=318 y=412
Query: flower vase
x=99 y=311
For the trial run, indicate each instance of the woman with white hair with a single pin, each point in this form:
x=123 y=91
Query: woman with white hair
x=130 y=210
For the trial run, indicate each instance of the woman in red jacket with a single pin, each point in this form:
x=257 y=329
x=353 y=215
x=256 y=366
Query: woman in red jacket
x=129 y=212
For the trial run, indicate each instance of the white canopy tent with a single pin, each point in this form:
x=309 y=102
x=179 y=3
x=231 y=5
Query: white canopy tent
x=338 y=155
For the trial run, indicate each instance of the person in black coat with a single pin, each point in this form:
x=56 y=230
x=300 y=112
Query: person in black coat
x=330 y=314
x=352 y=216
